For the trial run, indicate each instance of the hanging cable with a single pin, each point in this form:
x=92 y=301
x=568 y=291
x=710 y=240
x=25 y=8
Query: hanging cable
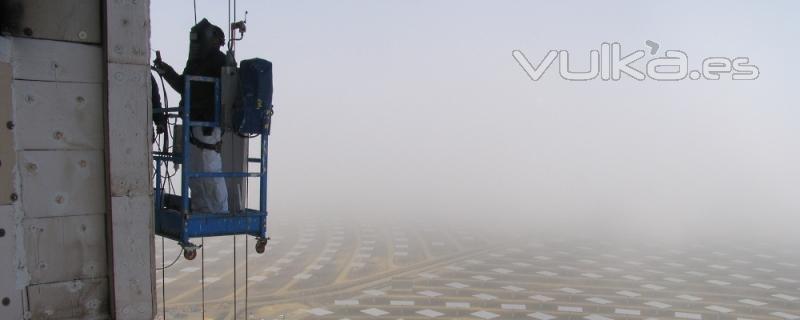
x=162 y=259
x=203 y=277
x=246 y=274
x=246 y=239
x=163 y=283
x=230 y=31
x=234 y=277
x=233 y=43
x=164 y=89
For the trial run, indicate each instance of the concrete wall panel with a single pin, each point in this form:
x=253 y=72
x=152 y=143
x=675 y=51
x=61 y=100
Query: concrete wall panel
x=46 y=60
x=62 y=183
x=129 y=31
x=130 y=224
x=8 y=265
x=53 y=115
x=133 y=253
x=129 y=129
x=65 y=248
x=78 y=299
x=83 y=219
x=66 y=20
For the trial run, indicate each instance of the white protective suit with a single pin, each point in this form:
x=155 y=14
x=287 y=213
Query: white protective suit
x=209 y=195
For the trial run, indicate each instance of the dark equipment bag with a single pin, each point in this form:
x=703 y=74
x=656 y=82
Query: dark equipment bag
x=253 y=111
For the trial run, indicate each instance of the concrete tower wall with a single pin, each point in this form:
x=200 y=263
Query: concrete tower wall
x=75 y=189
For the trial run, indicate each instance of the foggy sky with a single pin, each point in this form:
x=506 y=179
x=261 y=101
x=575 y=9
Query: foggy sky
x=417 y=108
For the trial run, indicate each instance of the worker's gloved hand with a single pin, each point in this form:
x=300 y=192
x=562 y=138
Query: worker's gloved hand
x=160 y=67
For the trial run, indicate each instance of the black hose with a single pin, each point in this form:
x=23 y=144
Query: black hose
x=173 y=262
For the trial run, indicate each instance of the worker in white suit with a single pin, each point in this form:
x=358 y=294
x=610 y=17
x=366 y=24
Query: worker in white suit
x=209 y=195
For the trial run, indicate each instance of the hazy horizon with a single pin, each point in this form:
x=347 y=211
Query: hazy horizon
x=417 y=108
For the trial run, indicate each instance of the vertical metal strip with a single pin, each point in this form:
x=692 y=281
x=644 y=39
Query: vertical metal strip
x=187 y=108
x=263 y=179
x=107 y=159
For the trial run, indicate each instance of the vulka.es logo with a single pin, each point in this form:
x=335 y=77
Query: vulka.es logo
x=608 y=63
